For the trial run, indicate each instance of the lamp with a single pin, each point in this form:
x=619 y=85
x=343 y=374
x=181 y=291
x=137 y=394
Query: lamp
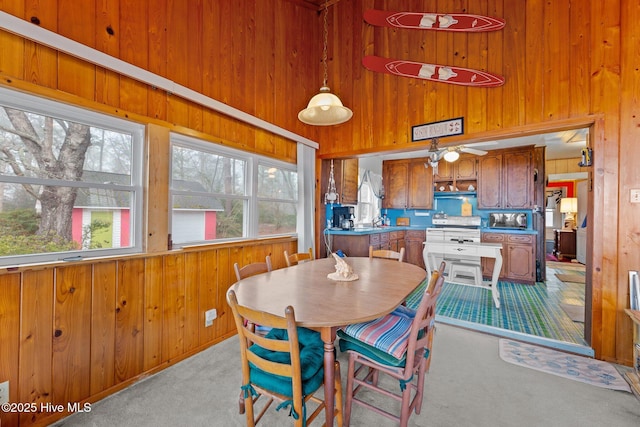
x=325 y=108
x=569 y=207
x=451 y=156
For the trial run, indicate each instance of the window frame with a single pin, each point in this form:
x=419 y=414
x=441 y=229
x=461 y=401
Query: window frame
x=67 y=112
x=250 y=198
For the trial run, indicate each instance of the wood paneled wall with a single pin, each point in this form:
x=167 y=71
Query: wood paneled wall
x=567 y=63
x=247 y=54
x=75 y=333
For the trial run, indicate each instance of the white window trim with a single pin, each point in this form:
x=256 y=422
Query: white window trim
x=43 y=106
x=250 y=225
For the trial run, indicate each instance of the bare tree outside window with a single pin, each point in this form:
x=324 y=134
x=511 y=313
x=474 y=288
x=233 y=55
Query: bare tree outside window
x=62 y=183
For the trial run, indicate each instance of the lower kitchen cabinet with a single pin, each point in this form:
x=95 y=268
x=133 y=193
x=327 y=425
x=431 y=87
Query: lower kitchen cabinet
x=358 y=244
x=414 y=244
x=518 y=257
x=396 y=240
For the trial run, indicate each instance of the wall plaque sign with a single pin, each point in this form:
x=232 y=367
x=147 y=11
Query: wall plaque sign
x=437 y=129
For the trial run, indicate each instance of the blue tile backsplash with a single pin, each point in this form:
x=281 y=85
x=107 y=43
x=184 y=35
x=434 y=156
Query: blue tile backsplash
x=449 y=203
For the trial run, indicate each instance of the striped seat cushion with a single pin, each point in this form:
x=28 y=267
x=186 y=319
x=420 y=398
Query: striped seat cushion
x=388 y=333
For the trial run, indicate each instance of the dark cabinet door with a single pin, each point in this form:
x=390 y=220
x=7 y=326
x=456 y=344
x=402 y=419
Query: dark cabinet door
x=420 y=186
x=521 y=265
x=395 y=179
x=465 y=168
x=490 y=182
x=414 y=244
x=518 y=180
x=349 y=195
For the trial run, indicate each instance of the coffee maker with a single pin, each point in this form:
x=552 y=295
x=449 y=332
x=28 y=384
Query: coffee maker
x=342 y=217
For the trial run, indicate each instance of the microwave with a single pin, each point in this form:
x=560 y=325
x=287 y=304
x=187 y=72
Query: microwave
x=512 y=220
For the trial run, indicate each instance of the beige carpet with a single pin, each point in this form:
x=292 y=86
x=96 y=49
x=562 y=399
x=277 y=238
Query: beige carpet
x=575 y=278
x=575 y=312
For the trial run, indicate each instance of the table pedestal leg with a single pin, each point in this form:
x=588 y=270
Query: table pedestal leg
x=328 y=337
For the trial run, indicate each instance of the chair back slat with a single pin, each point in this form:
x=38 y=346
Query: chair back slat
x=296 y=258
x=386 y=253
x=260 y=357
x=252 y=269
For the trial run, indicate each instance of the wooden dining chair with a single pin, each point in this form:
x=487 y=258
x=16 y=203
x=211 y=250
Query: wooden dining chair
x=386 y=253
x=298 y=257
x=286 y=366
x=396 y=345
x=253 y=268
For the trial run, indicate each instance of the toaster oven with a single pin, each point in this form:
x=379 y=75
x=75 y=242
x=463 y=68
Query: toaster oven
x=512 y=220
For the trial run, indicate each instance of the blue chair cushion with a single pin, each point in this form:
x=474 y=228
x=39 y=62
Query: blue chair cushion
x=311 y=363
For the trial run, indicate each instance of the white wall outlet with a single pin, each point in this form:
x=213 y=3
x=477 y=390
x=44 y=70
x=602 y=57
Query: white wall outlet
x=4 y=392
x=635 y=195
x=209 y=315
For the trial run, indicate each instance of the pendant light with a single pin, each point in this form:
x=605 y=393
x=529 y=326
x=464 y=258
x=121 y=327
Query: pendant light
x=325 y=108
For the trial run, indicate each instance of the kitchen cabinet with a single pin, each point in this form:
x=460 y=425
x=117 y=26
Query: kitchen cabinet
x=506 y=180
x=518 y=257
x=414 y=244
x=395 y=179
x=345 y=174
x=396 y=240
x=408 y=184
x=490 y=182
x=353 y=245
x=460 y=174
x=564 y=244
x=378 y=241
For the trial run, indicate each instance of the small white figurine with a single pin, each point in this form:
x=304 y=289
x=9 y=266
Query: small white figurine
x=344 y=272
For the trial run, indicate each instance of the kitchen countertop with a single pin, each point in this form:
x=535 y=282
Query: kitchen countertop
x=372 y=230
x=507 y=231
x=386 y=229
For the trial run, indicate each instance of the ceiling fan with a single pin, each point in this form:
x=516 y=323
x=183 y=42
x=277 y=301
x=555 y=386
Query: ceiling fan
x=450 y=154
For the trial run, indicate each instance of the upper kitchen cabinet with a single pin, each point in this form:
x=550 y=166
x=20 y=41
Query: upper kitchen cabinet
x=345 y=174
x=505 y=180
x=460 y=175
x=408 y=184
x=463 y=169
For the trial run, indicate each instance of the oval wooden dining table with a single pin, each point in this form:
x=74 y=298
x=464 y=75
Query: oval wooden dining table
x=325 y=305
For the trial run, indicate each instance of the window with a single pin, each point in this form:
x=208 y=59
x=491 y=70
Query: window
x=213 y=197
x=277 y=200
x=70 y=182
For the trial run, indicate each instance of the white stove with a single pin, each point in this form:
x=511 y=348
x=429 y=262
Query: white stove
x=459 y=229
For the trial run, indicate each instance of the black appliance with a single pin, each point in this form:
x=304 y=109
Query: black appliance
x=513 y=220
x=342 y=217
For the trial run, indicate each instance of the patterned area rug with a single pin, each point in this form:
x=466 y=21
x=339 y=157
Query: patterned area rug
x=578 y=368
x=523 y=308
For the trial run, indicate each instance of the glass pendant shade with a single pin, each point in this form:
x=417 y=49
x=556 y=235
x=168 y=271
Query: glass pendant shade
x=451 y=156
x=325 y=109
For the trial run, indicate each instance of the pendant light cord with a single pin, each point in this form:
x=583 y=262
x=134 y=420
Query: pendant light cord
x=325 y=37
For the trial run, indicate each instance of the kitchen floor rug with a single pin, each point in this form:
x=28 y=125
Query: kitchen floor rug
x=575 y=312
x=578 y=368
x=576 y=278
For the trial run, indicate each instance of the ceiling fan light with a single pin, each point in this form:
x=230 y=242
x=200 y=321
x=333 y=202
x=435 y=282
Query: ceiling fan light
x=451 y=156
x=325 y=109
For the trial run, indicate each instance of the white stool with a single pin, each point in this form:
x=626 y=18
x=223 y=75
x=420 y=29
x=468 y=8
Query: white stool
x=466 y=270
